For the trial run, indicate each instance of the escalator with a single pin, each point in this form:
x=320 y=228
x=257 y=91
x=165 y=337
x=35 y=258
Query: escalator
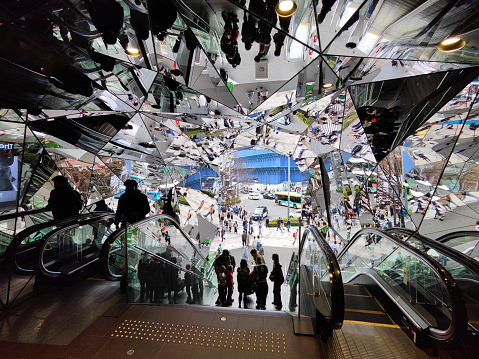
x=463 y=268
x=15 y=222
x=21 y=253
x=387 y=283
x=152 y=266
x=73 y=247
x=466 y=242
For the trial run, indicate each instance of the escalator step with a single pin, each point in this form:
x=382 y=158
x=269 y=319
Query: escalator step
x=354 y=289
x=367 y=317
x=363 y=303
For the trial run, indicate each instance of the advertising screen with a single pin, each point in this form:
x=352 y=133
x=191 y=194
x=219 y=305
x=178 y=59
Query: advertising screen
x=8 y=177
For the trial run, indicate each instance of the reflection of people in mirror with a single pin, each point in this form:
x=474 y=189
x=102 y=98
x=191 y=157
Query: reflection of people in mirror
x=6 y=177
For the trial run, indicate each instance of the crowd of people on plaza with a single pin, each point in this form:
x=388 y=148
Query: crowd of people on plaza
x=248 y=281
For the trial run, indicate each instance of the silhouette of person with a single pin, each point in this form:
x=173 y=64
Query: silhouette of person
x=64 y=201
x=132 y=205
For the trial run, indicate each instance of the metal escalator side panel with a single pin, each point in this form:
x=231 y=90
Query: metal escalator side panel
x=321 y=275
x=416 y=277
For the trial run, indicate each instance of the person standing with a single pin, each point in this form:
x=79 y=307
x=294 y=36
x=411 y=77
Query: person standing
x=260 y=273
x=188 y=217
x=279 y=224
x=64 y=201
x=258 y=243
x=188 y=284
x=236 y=227
x=295 y=236
x=244 y=238
x=254 y=254
x=132 y=205
x=244 y=283
x=288 y=224
x=267 y=222
x=277 y=277
x=229 y=285
x=222 y=234
x=260 y=228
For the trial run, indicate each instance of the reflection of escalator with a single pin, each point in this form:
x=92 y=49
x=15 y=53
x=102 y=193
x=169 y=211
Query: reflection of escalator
x=142 y=254
x=466 y=242
x=12 y=223
x=73 y=247
x=22 y=251
x=388 y=283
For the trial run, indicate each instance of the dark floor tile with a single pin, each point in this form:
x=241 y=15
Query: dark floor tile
x=250 y=322
x=278 y=324
x=85 y=346
x=102 y=326
x=144 y=349
x=231 y=320
x=175 y=351
x=115 y=348
x=311 y=346
x=134 y=312
x=200 y=318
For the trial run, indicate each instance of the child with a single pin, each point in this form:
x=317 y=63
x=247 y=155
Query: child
x=229 y=284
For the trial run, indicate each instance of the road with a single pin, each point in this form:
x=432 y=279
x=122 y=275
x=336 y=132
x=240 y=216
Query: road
x=274 y=209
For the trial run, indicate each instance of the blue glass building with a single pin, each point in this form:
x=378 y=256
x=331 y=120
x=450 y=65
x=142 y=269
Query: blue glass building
x=269 y=167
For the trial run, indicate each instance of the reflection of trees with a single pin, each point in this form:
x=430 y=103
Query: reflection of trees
x=390 y=182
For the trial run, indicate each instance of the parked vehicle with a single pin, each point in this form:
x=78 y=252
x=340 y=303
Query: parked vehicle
x=253 y=195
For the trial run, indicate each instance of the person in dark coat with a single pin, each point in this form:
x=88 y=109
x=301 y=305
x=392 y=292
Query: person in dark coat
x=171 y=281
x=64 y=201
x=144 y=276
x=277 y=278
x=260 y=273
x=244 y=282
x=132 y=205
x=155 y=285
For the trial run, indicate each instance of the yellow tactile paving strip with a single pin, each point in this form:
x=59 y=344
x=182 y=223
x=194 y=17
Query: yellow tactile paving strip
x=203 y=336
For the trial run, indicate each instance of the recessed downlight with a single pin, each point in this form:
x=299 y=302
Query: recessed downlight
x=451 y=44
x=132 y=51
x=286 y=8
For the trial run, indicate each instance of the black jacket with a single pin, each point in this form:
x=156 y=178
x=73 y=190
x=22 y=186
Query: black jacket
x=132 y=206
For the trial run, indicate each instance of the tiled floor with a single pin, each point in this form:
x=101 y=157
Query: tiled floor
x=179 y=332
x=372 y=342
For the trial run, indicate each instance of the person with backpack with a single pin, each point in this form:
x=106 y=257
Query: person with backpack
x=244 y=283
x=277 y=277
x=260 y=285
x=188 y=217
x=211 y=212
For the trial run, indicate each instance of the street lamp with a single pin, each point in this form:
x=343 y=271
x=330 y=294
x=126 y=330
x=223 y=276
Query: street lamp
x=289 y=184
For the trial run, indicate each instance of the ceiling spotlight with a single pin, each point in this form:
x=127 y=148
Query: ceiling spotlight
x=451 y=44
x=286 y=8
x=327 y=86
x=132 y=51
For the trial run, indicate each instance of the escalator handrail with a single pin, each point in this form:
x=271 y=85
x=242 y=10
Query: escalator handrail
x=6 y=217
x=105 y=249
x=453 y=235
x=12 y=249
x=463 y=259
x=337 y=291
x=39 y=266
x=458 y=309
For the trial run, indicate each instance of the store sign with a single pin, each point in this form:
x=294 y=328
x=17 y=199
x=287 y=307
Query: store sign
x=6 y=146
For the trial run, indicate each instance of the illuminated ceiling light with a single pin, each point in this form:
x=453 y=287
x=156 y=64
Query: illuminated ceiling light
x=286 y=8
x=327 y=86
x=451 y=44
x=132 y=51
